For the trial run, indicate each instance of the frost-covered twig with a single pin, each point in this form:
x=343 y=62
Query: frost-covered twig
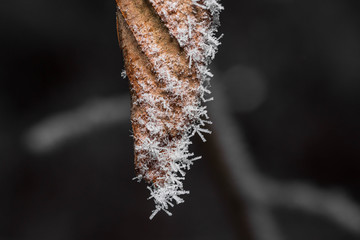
x=167 y=46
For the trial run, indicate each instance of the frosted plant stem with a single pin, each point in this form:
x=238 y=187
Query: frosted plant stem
x=167 y=46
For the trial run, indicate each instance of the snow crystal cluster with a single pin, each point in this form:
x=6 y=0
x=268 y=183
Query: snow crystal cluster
x=196 y=35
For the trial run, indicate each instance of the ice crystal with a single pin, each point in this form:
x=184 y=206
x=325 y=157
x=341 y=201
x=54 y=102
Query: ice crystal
x=123 y=73
x=197 y=36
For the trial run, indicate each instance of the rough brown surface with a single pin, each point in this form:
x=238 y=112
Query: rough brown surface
x=167 y=46
x=140 y=31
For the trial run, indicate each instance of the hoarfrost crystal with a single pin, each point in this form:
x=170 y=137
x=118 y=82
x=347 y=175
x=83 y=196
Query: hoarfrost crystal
x=169 y=77
x=197 y=38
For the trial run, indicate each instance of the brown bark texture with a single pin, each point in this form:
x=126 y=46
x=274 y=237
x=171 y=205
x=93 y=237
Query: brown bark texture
x=167 y=46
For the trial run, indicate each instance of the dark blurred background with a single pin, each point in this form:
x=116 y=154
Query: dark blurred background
x=290 y=73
